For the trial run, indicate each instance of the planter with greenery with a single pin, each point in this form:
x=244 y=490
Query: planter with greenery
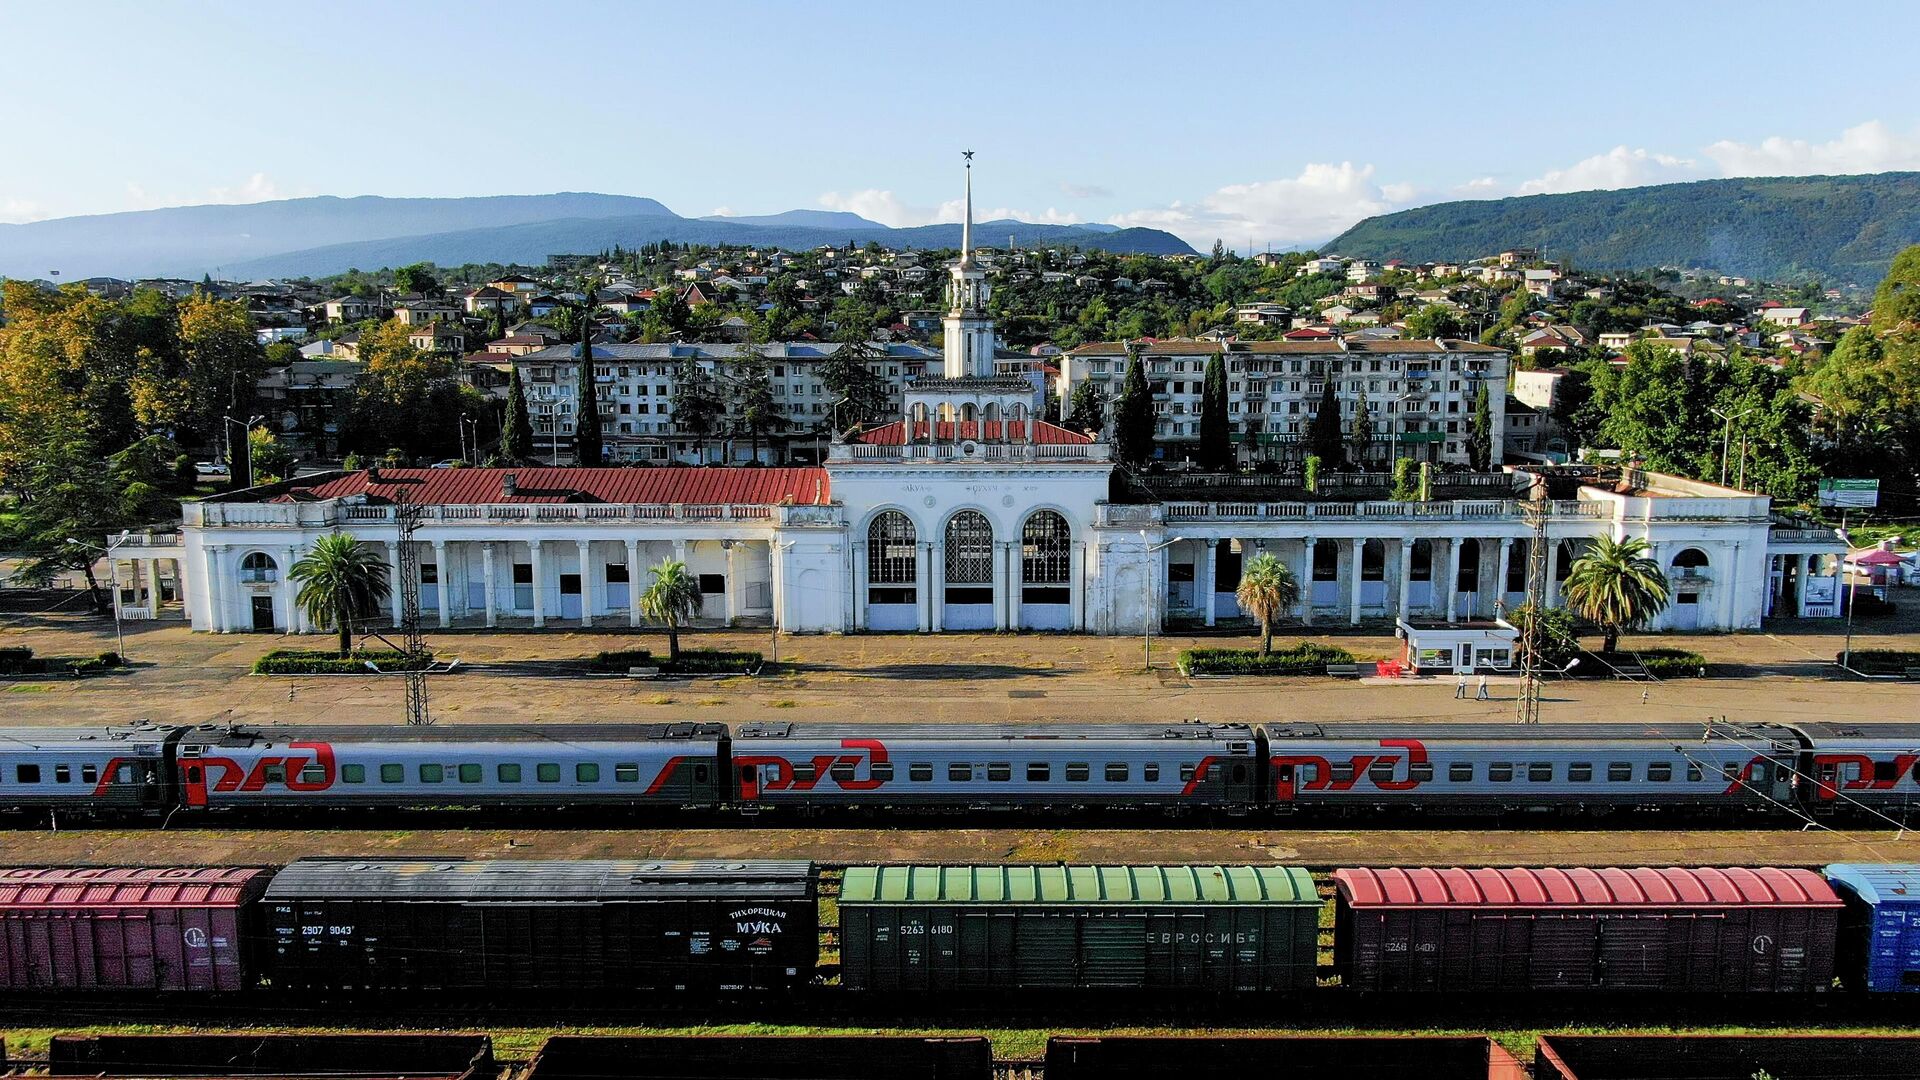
x=1882 y=661
x=1305 y=658
x=1659 y=663
x=322 y=662
x=689 y=662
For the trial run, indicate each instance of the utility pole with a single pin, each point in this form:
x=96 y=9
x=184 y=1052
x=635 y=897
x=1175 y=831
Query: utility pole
x=406 y=517
x=1534 y=512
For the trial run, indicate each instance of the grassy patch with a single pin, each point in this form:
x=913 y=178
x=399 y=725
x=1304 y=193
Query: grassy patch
x=661 y=699
x=1305 y=658
x=328 y=662
x=785 y=703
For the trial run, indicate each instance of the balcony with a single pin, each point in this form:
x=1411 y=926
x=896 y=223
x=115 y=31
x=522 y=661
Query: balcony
x=985 y=453
x=1482 y=510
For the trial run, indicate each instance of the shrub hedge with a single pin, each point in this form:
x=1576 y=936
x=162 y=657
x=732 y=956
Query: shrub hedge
x=691 y=661
x=622 y=659
x=1306 y=658
x=1882 y=661
x=320 y=662
x=21 y=661
x=1672 y=663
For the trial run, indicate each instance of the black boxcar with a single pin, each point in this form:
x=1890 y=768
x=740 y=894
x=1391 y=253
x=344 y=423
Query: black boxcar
x=1512 y=929
x=510 y=927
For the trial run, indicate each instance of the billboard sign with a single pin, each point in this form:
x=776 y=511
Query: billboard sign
x=1851 y=494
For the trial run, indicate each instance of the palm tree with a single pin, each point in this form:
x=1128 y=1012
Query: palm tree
x=673 y=598
x=1267 y=591
x=341 y=580
x=1616 y=586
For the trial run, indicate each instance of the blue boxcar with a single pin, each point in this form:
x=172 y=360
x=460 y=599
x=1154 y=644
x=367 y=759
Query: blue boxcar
x=1880 y=933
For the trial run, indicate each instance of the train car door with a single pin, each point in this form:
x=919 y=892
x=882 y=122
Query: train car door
x=1283 y=783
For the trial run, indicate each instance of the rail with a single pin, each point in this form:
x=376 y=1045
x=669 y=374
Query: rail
x=970 y=451
x=1454 y=510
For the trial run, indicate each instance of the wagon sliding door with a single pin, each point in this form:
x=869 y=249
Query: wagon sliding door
x=1113 y=949
x=986 y=950
x=1633 y=952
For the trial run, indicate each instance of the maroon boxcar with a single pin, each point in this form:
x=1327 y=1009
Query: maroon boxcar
x=125 y=928
x=1649 y=929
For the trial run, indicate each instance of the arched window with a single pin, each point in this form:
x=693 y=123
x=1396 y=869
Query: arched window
x=1373 y=561
x=892 y=560
x=1690 y=562
x=258 y=567
x=1469 y=579
x=1046 y=553
x=991 y=413
x=1420 y=565
x=969 y=549
x=1326 y=560
x=966 y=411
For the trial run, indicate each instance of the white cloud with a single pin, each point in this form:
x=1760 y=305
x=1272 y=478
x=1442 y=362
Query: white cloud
x=875 y=204
x=955 y=209
x=257 y=188
x=1306 y=209
x=1085 y=191
x=1617 y=168
x=720 y=211
x=18 y=211
x=1864 y=148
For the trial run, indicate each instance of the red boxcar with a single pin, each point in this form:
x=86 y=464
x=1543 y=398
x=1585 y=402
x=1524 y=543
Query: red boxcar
x=1671 y=928
x=125 y=928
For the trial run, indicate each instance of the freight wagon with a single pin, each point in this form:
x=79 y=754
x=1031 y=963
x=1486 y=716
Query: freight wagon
x=131 y=929
x=1159 y=928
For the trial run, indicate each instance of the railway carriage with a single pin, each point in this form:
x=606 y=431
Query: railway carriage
x=1861 y=768
x=1585 y=768
x=969 y=765
x=108 y=771
x=584 y=765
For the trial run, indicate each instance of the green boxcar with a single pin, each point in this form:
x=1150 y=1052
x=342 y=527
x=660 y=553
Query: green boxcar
x=971 y=928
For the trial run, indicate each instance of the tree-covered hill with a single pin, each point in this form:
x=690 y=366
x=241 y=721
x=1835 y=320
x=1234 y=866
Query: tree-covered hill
x=1840 y=229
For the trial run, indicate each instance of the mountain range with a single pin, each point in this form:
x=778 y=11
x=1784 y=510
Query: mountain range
x=322 y=235
x=1839 y=229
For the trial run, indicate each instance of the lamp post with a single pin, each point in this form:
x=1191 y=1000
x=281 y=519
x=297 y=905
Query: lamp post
x=113 y=571
x=246 y=434
x=1726 y=434
x=1146 y=595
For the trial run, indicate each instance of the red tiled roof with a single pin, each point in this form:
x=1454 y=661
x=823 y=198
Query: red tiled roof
x=1581 y=887
x=1044 y=434
x=546 y=485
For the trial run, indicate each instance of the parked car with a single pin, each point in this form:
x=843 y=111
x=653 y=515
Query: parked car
x=211 y=469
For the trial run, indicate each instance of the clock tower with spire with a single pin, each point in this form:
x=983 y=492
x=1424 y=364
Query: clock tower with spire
x=969 y=330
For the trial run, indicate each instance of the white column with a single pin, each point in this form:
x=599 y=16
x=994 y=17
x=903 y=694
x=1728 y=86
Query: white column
x=633 y=581
x=539 y=583
x=1207 y=586
x=680 y=551
x=1800 y=573
x=393 y=576
x=1506 y=565
x=1353 y=585
x=210 y=560
x=923 y=587
x=937 y=574
x=1077 y=585
x=444 y=579
x=287 y=555
x=1306 y=580
x=1406 y=575
x=733 y=582
x=1453 y=578
x=1728 y=582
x=860 y=584
x=153 y=587
x=492 y=583
x=1553 y=582
x=1000 y=589
x=1016 y=582
x=586 y=581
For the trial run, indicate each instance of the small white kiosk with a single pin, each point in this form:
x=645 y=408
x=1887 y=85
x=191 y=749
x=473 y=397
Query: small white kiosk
x=1479 y=645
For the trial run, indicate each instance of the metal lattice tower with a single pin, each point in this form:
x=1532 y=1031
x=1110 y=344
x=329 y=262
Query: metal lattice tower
x=1534 y=512
x=413 y=646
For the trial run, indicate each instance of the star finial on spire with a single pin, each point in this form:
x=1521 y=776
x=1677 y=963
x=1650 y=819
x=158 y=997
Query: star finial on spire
x=968 y=154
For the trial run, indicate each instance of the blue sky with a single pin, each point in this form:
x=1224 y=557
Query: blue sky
x=1272 y=123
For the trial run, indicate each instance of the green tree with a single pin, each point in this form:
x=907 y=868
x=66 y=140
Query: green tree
x=849 y=376
x=673 y=598
x=516 y=440
x=1267 y=591
x=1133 y=415
x=1896 y=303
x=1480 y=433
x=1089 y=408
x=586 y=421
x=1557 y=643
x=1324 y=439
x=1216 y=435
x=1406 y=480
x=416 y=278
x=1435 y=321
x=269 y=460
x=697 y=405
x=341 y=582
x=1360 y=431
x=223 y=359
x=1616 y=586
x=753 y=397
x=70 y=501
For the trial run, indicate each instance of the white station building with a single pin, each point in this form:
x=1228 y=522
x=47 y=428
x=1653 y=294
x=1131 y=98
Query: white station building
x=969 y=513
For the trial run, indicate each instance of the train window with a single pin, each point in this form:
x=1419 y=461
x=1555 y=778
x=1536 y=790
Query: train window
x=1117 y=772
x=471 y=773
x=1381 y=772
x=1730 y=771
x=1420 y=772
x=999 y=771
x=959 y=774
x=353 y=774
x=1460 y=772
x=1540 y=773
x=392 y=774
x=89 y=774
x=1039 y=772
x=626 y=772
x=1693 y=772
x=881 y=771
x=1186 y=772
x=805 y=773
x=587 y=772
x=920 y=772
x=507 y=772
x=276 y=774
x=1884 y=772
x=63 y=774
x=1343 y=773
x=1659 y=771
x=1580 y=772
x=26 y=774
x=313 y=774
x=700 y=773
x=1500 y=771
x=192 y=773
x=432 y=774
x=1150 y=772
x=1619 y=772
x=1077 y=772
x=547 y=773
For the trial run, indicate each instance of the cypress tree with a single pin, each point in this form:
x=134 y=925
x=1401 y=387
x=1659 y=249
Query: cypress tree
x=516 y=438
x=586 y=424
x=1480 y=434
x=1324 y=438
x=1216 y=440
x=1133 y=416
x=1360 y=433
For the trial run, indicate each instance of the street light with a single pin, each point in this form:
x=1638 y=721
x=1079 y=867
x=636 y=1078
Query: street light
x=246 y=431
x=1146 y=595
x=1726 y=434
x=113 y=569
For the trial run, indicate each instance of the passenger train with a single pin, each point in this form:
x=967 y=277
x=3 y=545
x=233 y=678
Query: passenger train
x=1782 y=772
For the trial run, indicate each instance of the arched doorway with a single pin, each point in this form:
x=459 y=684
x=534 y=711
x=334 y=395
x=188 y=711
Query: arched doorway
x=1373 y=575
x=258 y=571
x=967 y=599
x=893 y=573
x=1466 y=584
x=1688 y=578
x=1325 y=575
x=1420 y=577
x=1046 y=572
